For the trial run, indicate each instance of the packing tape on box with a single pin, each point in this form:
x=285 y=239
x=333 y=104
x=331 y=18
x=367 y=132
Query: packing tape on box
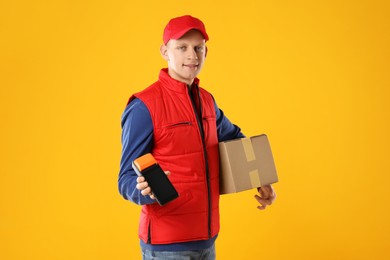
x=254 y=176
x=255 y=179
x=249 y=153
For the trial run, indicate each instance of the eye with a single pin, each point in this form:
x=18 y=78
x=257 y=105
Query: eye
x=199 y=49
x=182 y=48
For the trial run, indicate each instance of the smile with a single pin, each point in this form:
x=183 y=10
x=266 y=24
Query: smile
x=191 y=66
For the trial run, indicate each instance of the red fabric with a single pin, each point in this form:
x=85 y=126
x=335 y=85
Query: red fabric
x=179 y=26
x=178 y=148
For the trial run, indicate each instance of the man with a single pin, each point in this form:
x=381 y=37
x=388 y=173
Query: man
x=181 y=125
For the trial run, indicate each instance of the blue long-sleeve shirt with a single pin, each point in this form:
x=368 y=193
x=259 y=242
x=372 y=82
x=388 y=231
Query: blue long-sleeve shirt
x=137 y=140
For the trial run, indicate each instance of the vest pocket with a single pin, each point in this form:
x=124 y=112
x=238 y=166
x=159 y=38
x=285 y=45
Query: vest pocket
x=173 y=137
x=178 y=124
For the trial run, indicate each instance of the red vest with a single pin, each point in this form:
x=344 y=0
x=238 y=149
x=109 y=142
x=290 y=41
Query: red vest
x=193 y=163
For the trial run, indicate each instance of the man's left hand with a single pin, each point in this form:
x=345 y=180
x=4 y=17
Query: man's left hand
x=267 y=196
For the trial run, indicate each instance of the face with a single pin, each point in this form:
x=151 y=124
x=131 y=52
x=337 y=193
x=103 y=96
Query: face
x=185 y=56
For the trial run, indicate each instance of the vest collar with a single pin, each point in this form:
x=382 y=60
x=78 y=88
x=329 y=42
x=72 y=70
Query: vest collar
x=173 y=84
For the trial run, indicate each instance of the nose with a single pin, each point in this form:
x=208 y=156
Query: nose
x=192 y=54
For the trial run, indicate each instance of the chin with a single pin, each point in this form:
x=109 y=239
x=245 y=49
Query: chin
x=193 y=75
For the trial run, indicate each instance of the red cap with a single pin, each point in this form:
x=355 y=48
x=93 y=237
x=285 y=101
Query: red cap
x=178 y=26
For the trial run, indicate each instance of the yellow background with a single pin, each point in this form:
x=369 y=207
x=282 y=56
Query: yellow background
x=313 y=75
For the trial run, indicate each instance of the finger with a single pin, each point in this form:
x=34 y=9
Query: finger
x=263 y=202
x=146 y=191
x=140 y=179
x=142 y=185
x=272 y=197
x=152 y=196
x=266 y=192
x=261 y=207
x=167 y=172
x=262 y=193
x=272 y=194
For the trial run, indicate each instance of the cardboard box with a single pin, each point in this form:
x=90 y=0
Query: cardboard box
x=246 y=163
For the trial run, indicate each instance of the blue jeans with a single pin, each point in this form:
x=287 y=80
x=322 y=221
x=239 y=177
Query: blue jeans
x=205 y=254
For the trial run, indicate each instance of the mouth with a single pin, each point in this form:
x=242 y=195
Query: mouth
x=191 y=66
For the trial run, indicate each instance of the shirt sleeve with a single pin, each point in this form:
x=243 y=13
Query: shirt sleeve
x=137 y=140
x=226 y=130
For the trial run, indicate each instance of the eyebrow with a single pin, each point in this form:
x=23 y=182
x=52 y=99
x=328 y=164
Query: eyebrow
x=202 y=44
x=179 y=41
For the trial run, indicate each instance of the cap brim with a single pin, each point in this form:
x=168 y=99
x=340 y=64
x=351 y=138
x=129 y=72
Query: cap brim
x=181 y=33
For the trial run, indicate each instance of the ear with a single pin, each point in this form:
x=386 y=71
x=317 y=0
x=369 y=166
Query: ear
x=205 y=54
x=164 y=52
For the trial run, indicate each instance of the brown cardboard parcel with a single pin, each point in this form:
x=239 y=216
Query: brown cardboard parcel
x=246 y=163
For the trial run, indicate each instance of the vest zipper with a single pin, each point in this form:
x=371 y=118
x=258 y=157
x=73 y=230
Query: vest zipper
x=200 y=126
x=149 y=234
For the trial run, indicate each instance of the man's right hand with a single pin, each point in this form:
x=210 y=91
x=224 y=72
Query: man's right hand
x=143 y=186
